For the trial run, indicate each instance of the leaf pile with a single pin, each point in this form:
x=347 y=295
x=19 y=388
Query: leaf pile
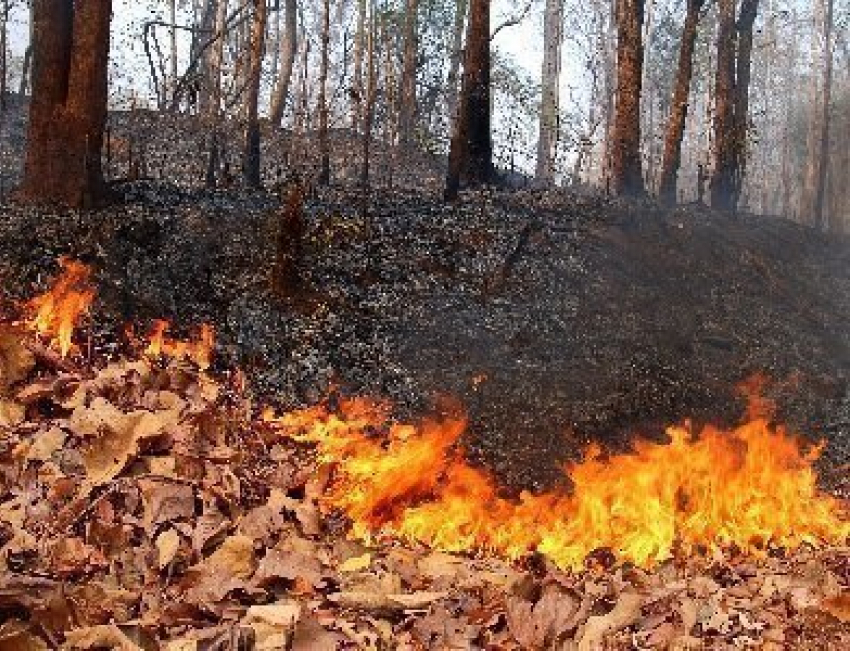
x=143 y=507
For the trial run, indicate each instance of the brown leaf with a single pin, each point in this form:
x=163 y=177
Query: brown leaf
x=16 y=360
x=165 y=501
x=11 y=413
x=72 y=557
x=273 y=624
x=17 y=636
x=838 y=607
x=378 y=602
x=106 y=636
x=535 y=625
x=45 y=444
x=625 y=613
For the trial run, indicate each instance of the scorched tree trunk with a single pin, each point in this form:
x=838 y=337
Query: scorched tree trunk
x=68 y=108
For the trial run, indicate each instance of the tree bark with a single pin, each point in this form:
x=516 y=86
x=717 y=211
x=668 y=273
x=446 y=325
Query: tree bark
x=407 y=106
x=626 y=167
x=454 y=62
x=471 y=150
x=743 y=63
x=360 y=41
x=547 y=142
x=288 y=49
x=679 y=107
x=724 y=172
x=251 y=151
x=216 y=59
x=324 y=143
x=68 y=108
x=823 y=138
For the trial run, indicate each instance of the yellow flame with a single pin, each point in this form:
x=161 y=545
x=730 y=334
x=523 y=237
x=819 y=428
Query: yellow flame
x=198 y=349
x=748 y=487
x=57 y=311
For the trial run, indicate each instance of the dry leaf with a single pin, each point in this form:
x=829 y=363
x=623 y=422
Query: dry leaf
x=838 y=607
x=625 y=613
x=167 y=547
x=11 y=413
x=533 y=625
x=356 y=563
x=16 y=360
x=165 y=501
x=107 y=636
x=17 y=636
x=378 y=602
x=46 y=444
x=273 y=624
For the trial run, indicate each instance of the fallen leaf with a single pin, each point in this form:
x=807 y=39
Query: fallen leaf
x=625 y=613
x=356 y=563
x=106 y=636
x=16 y=360
x=46 y=444
x=165 y=501
x=273 y=624
x=167 y=547
x=17 y=636
x=11 y=413
x=535 y=624
x=378 y=602
x=838 y=607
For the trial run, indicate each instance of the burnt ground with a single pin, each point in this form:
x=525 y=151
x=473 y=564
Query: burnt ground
x=554 y=318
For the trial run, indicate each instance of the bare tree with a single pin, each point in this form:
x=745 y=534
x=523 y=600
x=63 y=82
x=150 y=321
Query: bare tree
x=251 y=151
x=626 y=169
x=547 y=143
x=288 y=49
x=454 y=61
x=679 y=108
x=407 y=105
x=68 y=109
x=471 y=150
x=743 y=63
x=324 y=143
x=723 y=179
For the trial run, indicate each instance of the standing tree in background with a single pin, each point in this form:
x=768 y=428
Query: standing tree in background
x=743 y=64
x=724 y=175
x=626 y=168
x=454 y=61
x=288 y=49
x=407 y=106
x=324 y=143
x=471 y=149
x=251 y=149
x=68 y=108
x=679 y=108
x=547 y=143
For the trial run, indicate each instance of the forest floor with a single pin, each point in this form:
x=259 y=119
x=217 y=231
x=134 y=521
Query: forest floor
x=553 y=318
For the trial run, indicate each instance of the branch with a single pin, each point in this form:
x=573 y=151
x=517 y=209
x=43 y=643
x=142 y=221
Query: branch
x=513 y=21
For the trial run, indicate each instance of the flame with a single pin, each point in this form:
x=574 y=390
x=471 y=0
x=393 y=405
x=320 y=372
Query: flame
x=747 y=488
x=57 y=311
x=198 y=350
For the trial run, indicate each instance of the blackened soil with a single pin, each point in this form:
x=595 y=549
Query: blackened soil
x=554 y=318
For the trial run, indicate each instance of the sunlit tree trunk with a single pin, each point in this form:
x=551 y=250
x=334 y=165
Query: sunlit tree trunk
x=471 y=150
x=217 y=58
x=547 y=142
x=251 y=148
x=324 y=144
x=679 y=108
x=455 y=55
x=360 y=43
x=288 y=49
x=626 y=167
x=68 y=108
x=724 y=172
x=407 y=104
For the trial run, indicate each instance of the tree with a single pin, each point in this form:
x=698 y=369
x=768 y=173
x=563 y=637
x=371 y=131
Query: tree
x=626 y=168
x=251 y=150
x=547 y=142
x=407 y=106
x=288 y=49
x=471 y=149
x=454 y=60
x=679 y=109
x=68 y=108
x=743 y=63
x=723 y=178
x=324 y=143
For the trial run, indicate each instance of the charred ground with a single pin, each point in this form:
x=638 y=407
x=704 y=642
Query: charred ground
x=554 y=318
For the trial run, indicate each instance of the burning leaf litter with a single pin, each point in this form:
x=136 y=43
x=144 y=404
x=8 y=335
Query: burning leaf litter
x=141 y=502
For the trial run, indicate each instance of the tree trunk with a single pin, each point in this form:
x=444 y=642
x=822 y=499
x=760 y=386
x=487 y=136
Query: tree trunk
x=454 y=62
x=407 y=106
x=288 y=48
x=216 y=59
x=369 y=109
x=743 y=63
x=826 y=97
x=626 y=169
x=68 y=108
x=547 y=142
x=724 y=172
x=679 y=107
x=324 y=143
x=172 y=86
x=251 y=151
x=360 y=39
x=4 y=18
x=471 y=150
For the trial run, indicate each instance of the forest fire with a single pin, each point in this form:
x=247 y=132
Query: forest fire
x=57 y=311
x=750 y=488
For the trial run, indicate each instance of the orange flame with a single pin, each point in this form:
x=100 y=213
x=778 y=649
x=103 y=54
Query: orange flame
x=57 y=311
x=749 y=488
x=198 y=350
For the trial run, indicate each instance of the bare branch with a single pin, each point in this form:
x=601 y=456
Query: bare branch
x=514 y=20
